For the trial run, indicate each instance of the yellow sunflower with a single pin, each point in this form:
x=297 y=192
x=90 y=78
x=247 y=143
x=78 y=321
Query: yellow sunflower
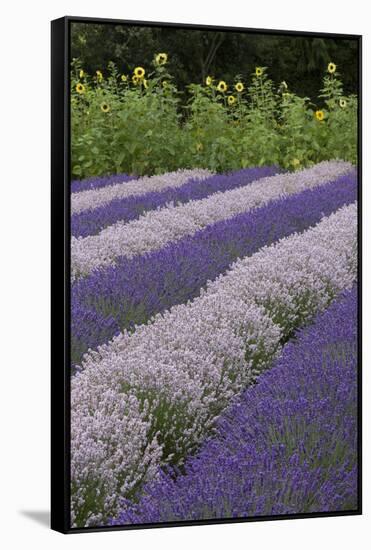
x=99 y=76
x=342 y=103
x=161 y=58
x=145 y=83
x=331 y=67
x=80 y=88
x=209 y=80
x=222 y=86
x=258 y=71
x=320 y=115
x=135 y=79
x=81 y=73
x=231 y=100
x=105 y=107
x=239 y=87
x=139 y=72
x=124 y=78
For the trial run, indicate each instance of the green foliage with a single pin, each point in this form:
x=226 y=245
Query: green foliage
x=142 y=124
x=300 y=60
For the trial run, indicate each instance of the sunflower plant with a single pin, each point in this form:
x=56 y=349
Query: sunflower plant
x=134 y=120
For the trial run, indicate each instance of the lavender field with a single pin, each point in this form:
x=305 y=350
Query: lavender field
x=213 y=344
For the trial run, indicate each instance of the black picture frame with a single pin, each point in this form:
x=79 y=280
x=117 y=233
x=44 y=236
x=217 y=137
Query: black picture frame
x=60 y=272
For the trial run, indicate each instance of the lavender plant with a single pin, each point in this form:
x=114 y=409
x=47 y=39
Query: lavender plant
x=92 y=221
x=286 y=445
x=134 y=290
x=99 y=182
x=99 y=196
x=157 y=228
x=181 y=370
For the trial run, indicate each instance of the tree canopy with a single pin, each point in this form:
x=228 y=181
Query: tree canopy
x=194 y=54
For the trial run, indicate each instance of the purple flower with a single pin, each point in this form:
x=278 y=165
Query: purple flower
x=134 y=290
x=117 y=187
x=286 y=445
x=158 y=228
x=150 y=397
x=90 y=222
x=97 y=182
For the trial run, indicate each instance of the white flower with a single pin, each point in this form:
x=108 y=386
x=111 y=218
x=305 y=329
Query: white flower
x=171 y=378
x=92 y=198
x=158 y=227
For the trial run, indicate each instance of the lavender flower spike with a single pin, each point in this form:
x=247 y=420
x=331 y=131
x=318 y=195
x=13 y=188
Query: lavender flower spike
x=288 y=445
x=93 y=198
x=157 y=228
x=90 y=222
x=131 y=292
x=182 y=369
x=96 y=182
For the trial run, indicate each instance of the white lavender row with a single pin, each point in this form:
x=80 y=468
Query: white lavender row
x=91 y=222
x=299 y=453
x=157 y=228
x=133 y=290
x=96 y=182
x=150 y=397
x=92 y=198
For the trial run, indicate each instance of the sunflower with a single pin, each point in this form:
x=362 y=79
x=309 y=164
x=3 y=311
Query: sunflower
x=231 y=100
x=105 y=107
x=139 y=72
x=258 y=71
x=222 y=86
x=145 y=83
x=99 y=76
x=239 y=87
x=124 y=78
x=320 y=115
x=342 y=103
x=135 y=79
x=331 y=67
x=80 y=88
x=81 y=73
x=209 y=80
x=161 y=58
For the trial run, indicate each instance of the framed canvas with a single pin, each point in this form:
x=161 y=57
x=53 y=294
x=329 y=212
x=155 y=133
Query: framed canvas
x=206 y=270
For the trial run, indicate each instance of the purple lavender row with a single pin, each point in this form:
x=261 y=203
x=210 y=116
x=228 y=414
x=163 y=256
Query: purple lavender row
x=94 y=198
x=289 y=444
x=158 y=228
x=157 y=392
x=130 y=293
x=97 y=182
x=91 y=222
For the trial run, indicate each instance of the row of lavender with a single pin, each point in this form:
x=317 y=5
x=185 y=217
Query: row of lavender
x=118 y=297
x=149 y=398
x=288 y=445
x=97 y=192
x=92 y=220
x=96 y=182
x=157 y=228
